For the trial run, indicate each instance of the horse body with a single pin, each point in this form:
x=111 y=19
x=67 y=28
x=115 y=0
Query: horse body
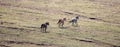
x=74 y=20
x=44 y=26
x=61 y=22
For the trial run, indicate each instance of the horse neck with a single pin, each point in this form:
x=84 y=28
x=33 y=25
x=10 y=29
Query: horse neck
x=63 y=20
x=45 y=24
x=76 y=18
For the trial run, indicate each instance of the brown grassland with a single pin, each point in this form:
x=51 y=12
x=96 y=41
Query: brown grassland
x=99 y=23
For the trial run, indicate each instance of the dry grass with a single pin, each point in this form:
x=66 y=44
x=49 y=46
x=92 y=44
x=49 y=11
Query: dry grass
x=20 y=21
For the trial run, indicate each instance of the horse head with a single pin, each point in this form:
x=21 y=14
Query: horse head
x=77 y=17
x=47 y=23
x=64 y=19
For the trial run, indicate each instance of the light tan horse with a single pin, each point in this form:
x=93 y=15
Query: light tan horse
x=61 y=22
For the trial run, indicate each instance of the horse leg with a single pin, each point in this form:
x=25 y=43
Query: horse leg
x=62 y=24
x=76 y=23
x=72 y=23
x=45 y=29
x=58 y=24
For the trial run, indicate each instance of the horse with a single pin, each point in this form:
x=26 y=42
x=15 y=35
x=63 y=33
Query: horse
x=44 y=26
x=61 y=22
x=74 y=20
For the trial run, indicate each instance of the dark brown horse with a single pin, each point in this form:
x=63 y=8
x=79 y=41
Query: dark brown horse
x=44 y=26
x=61 y=22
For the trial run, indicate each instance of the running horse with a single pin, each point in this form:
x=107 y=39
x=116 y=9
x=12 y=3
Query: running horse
x=74 y=20
x=61 y=22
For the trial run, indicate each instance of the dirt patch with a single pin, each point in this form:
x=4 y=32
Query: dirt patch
x=95 y=41
x=1 y=15
x=4 y=46
x=4 y=22
x=18 y=42
x=31 y=27
x=23 y=42
x=20 y=29
x=12 y=28
x=90 y=41
x=5 y=4
x=27 y=12
x=1 y=33
x=91 y=18
x=71 y=13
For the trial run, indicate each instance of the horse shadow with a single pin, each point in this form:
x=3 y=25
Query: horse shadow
x=75 y=25
x=63 y=27
x=45 y=32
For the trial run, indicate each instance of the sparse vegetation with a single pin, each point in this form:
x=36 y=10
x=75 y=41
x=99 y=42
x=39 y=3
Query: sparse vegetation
x=99 y=23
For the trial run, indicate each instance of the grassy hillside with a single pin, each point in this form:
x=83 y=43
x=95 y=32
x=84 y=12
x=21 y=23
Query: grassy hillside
x=20 y=21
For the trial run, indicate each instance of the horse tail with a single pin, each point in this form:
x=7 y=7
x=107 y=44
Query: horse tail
x=42 y=25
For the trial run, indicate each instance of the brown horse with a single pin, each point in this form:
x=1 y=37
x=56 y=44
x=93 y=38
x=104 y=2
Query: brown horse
x=61 y=22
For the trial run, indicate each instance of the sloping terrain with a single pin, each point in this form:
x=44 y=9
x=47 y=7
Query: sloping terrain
x=99 y=23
